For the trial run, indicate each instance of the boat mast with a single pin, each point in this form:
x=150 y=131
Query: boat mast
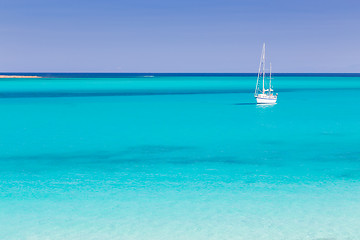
x=270 y=80
x=263 y=58
x=258 y=75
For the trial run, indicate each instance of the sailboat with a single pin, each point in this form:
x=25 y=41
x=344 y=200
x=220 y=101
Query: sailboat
x=263 y=95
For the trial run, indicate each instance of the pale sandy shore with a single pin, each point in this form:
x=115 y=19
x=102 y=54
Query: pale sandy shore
x=18 y=76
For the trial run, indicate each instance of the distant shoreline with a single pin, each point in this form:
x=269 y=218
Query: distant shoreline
x=18 y=76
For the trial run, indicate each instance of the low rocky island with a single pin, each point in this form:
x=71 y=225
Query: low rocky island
x=18 y=76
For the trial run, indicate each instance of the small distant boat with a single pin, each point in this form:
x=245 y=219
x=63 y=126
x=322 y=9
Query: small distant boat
x=263 y=95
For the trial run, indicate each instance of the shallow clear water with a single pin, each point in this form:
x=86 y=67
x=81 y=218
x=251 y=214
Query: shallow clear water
x=179 y=157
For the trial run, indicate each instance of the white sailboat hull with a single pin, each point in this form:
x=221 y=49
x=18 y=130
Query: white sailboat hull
x=264 y=94
x=266 y=100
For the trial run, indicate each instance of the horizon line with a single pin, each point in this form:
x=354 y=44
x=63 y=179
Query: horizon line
x=32 y=72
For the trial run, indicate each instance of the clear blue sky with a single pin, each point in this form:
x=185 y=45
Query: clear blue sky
x=178 y=36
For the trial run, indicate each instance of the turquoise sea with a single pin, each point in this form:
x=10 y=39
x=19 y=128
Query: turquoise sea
x=175 y=157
